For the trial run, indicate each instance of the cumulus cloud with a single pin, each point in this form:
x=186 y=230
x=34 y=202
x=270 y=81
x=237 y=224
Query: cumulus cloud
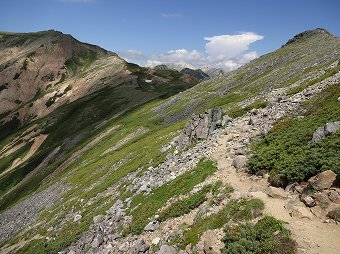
x=179 y=55
x=224 y=51
x=229 y=46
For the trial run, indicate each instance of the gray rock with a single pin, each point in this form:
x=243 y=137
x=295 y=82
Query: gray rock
x=276 y=192
x=239 y=161
x=77 y=218
x=321 y=199
x=291 y=187
x=331 y=128
x=253 y=120
x=201 y=126
x=225 y=120
x=97 y=241
x=323 y=180
x=115 y=236
x=326 y=130
x=140 y=246
x=307 y=200
x=166 y=249
x=335 y=197
x=119 y=215
x=124 y=247
x=152 y=226
x=97 y=219
x=319 y=134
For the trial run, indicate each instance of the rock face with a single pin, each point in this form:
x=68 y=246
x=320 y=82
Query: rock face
x=324 y=131
x=323 y=180
x=200 y=127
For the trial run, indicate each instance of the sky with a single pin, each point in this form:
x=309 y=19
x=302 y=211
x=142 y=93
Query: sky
x=214 y=33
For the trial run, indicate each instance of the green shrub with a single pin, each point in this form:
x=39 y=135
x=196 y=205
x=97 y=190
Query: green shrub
x=243 y=210
x=240 y=111
x=286 y=152
x=266 y=236
x=334 y=214
x=149 y=205
x=183 y=206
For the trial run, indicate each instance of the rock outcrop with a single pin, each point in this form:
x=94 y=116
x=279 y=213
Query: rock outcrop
x=323 y=180
x=200 y=127
x=324 y=131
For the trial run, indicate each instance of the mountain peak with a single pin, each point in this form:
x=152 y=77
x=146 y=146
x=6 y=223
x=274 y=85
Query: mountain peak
x=307 y=34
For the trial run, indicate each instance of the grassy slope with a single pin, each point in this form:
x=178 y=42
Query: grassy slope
x=273 y=70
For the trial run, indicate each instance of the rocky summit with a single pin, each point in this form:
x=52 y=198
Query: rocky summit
x=98 y=155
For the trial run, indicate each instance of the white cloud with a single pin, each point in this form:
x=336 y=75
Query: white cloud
x=224 y=51
x=179 y=55
x=229 y=46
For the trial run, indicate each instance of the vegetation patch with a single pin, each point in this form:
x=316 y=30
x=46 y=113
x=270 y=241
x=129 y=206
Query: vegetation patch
x=6 y=161
x=267 y=236
x=286 y=152
x=334 y=214
x=308 y=83
x=189 y=203
x=240 y=111
x=81 y=60
x=241 y=210
x=149 y=205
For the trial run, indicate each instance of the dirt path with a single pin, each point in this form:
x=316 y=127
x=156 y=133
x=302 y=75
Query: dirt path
x=312 y=235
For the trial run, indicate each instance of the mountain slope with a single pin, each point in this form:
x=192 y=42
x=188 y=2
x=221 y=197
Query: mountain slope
x=42 y=71
x=56 y=92
x=126 y=182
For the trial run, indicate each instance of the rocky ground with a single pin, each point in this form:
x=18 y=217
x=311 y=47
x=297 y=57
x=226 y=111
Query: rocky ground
x=23 y=214
x=228 y=143
x=229 y=146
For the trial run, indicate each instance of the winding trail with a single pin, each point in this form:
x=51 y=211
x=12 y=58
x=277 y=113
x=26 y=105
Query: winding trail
x=312 y=235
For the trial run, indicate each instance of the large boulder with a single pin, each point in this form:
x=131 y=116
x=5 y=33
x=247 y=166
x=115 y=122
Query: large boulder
x=201 y=126
x=152 y=226
x=276 y=192
x=326 y=130
x=166 y=249
x=140 y=246
x=239 y=161
x=323 y=180
x=307 y=200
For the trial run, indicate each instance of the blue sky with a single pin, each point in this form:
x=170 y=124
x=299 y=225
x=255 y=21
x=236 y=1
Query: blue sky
x=214 y=32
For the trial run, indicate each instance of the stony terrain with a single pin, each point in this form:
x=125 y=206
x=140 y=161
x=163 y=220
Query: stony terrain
x=156 y=179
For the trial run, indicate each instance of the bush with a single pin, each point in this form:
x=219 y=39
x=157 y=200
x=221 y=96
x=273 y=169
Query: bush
x=334 y=214
x=266 y=236
x=242 y=210
x=183 y=206
x=239 y=111
x=287 y=153
x=180 y=185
